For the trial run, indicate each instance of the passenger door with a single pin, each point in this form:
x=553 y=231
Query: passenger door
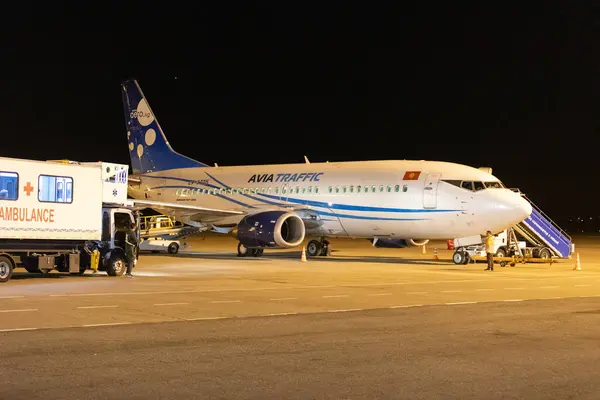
x=430 y=191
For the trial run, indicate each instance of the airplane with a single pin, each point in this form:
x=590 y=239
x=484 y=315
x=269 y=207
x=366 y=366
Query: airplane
x=392 y=203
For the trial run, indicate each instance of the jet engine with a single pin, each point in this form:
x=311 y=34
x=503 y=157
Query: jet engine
x=398 y=243
x=274 y=229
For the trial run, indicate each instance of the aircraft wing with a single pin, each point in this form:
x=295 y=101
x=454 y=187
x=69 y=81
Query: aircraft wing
x=183 y=209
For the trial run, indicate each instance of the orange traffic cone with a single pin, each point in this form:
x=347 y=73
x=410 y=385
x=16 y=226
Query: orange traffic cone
x=303 y=258
x=435 y=255
x=577 y=264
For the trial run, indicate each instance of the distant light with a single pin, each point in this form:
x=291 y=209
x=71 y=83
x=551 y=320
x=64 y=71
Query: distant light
x=175 y=77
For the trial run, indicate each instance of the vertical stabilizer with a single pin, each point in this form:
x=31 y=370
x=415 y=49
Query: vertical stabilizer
x=149 y=149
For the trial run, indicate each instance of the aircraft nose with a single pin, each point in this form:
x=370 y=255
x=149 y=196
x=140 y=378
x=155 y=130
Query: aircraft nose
x=505 y=208
x=523 y=208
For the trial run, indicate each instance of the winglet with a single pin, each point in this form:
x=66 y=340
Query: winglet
x=306 y=159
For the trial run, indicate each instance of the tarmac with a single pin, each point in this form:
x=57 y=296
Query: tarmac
x=364 y=322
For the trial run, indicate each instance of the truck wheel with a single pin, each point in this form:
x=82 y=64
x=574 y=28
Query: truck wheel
x=173 y=248
x=467 y=258
x=116 y=266
x=459 y=257
x=6 y=269
x=545 y=253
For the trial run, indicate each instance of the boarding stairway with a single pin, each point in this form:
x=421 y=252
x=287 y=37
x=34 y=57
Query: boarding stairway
x=541 y=231
x=163 y=226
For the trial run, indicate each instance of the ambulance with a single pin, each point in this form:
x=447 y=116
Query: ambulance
x=63 y=215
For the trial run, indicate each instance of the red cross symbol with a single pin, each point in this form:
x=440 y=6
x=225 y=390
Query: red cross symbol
x=28 y=188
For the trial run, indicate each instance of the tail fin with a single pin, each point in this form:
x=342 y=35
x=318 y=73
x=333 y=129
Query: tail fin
x=148 y=147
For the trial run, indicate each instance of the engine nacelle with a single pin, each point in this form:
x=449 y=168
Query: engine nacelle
x=398 y=243
x=275 y=229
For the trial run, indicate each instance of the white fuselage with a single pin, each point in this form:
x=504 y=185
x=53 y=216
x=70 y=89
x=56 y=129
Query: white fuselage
x=433 y=206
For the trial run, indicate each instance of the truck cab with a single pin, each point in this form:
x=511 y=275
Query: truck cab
x=116 y=221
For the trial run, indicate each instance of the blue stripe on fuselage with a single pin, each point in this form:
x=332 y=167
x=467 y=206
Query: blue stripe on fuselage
x=333 y=206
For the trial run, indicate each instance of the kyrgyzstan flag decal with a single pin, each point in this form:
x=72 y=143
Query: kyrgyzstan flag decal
x=411 y=175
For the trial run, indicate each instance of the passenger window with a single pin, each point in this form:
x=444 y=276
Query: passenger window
x=351 y=188
x=344 y=189
x=389 y=188
x=478 y=186
x=310 y=189
x=381 y=188
x=405 y=188
x=397 y=188
x=276 y=189
x=245 y=190
x=316 y=189
x=330 y=189
x=54 y=189
x=303 y=190
x=358 y=189
x=366 y=189
x=467 y=185
x=269 y=190
x=297 y=189
x=337 y=189
x=373 y=188
x=284 y=190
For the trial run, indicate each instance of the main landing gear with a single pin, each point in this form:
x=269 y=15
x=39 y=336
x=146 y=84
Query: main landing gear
x=318 y=248
x=243 y=251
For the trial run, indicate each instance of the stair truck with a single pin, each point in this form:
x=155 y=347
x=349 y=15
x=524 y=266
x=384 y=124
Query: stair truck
x=63 y=215
x=543 y=241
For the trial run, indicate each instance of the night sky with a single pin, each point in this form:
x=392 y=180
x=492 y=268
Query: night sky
x=515 y=88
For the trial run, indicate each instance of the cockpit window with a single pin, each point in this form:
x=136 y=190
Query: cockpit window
x=494 y=185
x=453 y=182
x=467 y=185
x=475 y=186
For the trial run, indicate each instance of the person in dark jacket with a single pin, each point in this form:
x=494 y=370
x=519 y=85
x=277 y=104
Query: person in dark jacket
x=131 y=244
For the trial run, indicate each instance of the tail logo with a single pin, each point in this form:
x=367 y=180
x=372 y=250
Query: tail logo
x=144 y=118
x=142 y=113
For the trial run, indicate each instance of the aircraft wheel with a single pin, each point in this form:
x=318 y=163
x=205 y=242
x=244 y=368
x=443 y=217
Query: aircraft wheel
x=326 y=249
x=242 y=251
x=313 y=249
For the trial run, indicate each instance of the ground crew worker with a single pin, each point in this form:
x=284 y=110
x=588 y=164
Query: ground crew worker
x=131 y=243
x=489 y=249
